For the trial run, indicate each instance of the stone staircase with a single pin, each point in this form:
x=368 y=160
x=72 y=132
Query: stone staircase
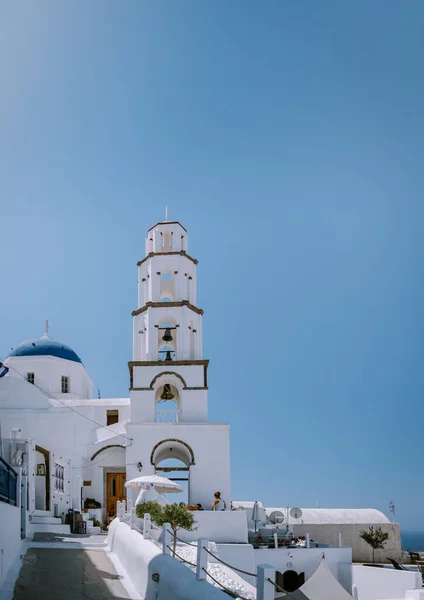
x=42 y=521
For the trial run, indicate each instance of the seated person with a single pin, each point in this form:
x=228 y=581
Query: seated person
x=110 y=516
x=199 y=507
x=218 y=503
x=148 y=493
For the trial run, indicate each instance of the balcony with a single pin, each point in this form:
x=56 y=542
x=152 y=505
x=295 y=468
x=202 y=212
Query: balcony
x=168 y=416
x=166 y=355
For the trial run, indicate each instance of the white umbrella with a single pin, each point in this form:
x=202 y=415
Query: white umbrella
x=256 y=514
x=163 y=485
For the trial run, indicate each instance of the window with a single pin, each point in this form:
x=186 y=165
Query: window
x=59 y=479
x=31 y=377
x=112 y=416
x=65 y=384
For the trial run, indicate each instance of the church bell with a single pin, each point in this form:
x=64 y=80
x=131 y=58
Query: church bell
x=167 y=337
x=167 y=394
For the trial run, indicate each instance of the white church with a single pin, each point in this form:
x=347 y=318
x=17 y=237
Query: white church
x=70 y=446
x=80 y=446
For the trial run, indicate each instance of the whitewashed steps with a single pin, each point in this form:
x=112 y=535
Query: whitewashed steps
x=93 y=530
x=48 y=528
x=46 y=520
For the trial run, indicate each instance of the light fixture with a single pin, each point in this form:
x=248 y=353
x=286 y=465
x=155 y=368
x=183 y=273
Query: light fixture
x=139 y=466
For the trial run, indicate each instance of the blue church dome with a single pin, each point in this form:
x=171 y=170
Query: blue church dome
x=45 y=346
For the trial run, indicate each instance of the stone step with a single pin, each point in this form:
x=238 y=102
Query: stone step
x=46 y=520
x=47 y=528
x=93 y=530
x=41 y=513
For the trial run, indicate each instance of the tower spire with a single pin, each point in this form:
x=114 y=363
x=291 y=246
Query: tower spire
x=47 y=327
x=166 y=212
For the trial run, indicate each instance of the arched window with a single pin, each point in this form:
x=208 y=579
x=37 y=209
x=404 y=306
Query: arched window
x=167 y=398
x=167 y=287
x=172 y=458
x=175 y=470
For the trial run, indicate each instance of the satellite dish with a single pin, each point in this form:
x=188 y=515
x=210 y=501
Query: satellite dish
x=276 y=517
x=295 y=513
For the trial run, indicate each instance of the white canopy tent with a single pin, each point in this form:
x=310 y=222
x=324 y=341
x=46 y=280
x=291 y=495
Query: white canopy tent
x=322 y=585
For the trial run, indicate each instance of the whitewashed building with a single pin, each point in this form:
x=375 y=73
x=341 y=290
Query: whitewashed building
x=87 y=447
x=73 y=446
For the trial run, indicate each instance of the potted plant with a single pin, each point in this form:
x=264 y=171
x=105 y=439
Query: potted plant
x=91 y=503
x=261 y=542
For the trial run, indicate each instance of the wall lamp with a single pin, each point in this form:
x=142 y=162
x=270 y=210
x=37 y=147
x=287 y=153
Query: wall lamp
x=139 y=466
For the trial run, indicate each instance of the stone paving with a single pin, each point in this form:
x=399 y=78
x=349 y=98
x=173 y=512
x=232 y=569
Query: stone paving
x=68 y=574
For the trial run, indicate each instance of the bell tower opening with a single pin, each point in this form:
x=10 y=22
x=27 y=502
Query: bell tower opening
x=175 y=470
x=168 y=404
x=167 y=341
x=167 y=287
x=173 y=458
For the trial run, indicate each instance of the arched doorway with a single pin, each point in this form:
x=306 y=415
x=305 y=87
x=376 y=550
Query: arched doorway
x=108 y=476
x=172 y=458
x=42 y=479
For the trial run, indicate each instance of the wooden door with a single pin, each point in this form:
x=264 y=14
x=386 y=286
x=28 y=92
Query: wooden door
x=115 y=490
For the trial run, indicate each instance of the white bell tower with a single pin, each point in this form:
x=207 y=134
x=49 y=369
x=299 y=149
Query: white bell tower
x=168 y=375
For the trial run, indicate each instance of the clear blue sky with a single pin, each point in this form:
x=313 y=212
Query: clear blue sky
x=288 y=137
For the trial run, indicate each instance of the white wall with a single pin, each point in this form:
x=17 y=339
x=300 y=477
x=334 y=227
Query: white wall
x=218 y=526
x=374 y=583
x=141 y=558
x=48 y=372
x=308 y=560
x=10 y=536
x=361 y=552
x=67 y=435
x=211 y=447
x=240 y=556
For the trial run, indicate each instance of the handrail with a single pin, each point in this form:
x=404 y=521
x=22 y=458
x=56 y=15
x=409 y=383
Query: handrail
x=227 y=590
x=181 y=558
x=180 y=540
x=8 y=466
x=227 y=565
x=9 y=489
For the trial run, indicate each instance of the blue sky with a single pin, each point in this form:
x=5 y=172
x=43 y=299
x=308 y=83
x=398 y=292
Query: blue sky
x=288 y=138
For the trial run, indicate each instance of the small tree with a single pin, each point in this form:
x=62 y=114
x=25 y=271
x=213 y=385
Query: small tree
x=149 y=507
x=177 y=516
x=376 y=538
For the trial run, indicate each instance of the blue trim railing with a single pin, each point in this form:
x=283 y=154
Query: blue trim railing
x=8 y=484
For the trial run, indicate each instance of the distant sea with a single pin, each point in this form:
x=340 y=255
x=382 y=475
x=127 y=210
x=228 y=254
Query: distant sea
x=413 y=540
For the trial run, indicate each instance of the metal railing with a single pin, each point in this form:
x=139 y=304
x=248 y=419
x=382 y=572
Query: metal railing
x=166 y=355
x=8 y=484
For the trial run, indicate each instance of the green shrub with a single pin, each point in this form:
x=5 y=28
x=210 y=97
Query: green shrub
x=92 y=503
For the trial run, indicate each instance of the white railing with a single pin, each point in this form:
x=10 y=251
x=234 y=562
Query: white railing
x=168 y=416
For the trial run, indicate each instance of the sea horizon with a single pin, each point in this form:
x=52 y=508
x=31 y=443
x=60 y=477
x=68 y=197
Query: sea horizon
x=412 y=540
